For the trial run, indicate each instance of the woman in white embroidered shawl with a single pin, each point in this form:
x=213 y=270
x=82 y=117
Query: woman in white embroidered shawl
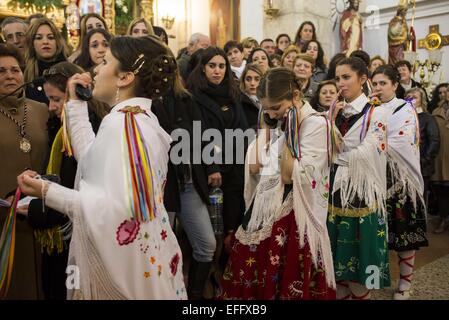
x=122 y=243
x=406 y=208
x=282 y=249
x=357 y=204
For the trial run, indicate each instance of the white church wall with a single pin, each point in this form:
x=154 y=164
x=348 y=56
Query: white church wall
x=252 y=19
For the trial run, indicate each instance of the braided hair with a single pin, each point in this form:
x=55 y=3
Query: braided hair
x=279 y=84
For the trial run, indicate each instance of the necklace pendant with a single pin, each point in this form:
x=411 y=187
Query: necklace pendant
x=25 y=145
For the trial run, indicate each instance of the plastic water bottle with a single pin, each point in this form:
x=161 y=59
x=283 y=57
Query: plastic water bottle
x=216 y=210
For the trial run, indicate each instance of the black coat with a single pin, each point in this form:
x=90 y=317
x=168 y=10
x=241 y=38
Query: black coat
x=430 y=143
x=250 y=110
x=232 y=174
x=179 y=113
x=36 y=91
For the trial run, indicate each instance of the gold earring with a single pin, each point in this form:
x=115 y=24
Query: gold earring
x=117 y=95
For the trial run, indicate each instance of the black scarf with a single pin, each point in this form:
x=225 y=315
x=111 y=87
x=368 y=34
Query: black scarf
x=219 y=93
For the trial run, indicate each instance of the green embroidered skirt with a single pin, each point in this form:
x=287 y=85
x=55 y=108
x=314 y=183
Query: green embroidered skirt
x=359 y=246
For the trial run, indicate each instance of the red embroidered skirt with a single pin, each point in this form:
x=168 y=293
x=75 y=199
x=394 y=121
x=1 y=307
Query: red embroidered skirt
x=277 y=268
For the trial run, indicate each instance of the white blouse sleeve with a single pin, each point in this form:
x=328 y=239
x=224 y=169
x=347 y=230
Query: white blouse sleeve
x=80 y=129
x=63 y=199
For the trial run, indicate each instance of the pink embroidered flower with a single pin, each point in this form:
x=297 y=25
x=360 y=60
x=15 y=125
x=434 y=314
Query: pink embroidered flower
x=163 y=235
x=314 y=184
x=174 y=264
x=326 y=186
x=274 y=260
x=127 y=232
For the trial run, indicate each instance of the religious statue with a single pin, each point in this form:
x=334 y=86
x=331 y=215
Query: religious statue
x=399 y=35
x=73 y=16
x=351 y=26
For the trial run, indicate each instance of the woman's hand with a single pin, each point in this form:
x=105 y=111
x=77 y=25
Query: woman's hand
x=83 y=79
x=31 y=186
x=214 y=179
x=339 y=106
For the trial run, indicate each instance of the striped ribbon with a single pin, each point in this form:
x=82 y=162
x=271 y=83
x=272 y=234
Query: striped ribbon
x=138 y=172
x=7 y=247
x=366 y=122
x=66 y=145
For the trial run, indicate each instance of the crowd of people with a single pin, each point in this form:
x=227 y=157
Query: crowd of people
x=347 y=157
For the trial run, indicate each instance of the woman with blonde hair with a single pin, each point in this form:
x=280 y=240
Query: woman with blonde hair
x=140 y=27
x=289 y=56
x=88 y=22
x=46 y=47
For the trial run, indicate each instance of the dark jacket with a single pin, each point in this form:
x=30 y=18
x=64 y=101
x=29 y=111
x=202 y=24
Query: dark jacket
x=183 y=64
x=251 y=111
x=179 y=113
x=430 y=143
x=36 y=91
x=215 y=117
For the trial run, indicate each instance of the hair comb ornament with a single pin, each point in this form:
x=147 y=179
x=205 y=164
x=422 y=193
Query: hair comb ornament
x=140 y=57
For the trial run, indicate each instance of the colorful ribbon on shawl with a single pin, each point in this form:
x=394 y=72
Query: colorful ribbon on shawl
x=7 y=247
x=292 y=135
x=66 y=145
x=367 y=120
x=138 y=172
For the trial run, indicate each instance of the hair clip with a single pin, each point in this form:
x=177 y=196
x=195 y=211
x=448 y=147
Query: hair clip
x=141 y=56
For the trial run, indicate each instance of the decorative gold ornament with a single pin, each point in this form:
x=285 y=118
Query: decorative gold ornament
x=25 y=145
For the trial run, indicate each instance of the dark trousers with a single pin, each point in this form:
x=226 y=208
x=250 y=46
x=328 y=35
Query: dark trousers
x=442 y=199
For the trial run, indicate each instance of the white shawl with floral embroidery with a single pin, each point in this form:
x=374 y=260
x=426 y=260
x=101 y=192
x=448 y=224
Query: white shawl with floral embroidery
x=117 y=258
x=309 y=199
x=403 y=149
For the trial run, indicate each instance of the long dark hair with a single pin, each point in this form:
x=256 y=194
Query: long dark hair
x=150 y=60
x=433 y=104
x=298 y=33
x=333 y=65
x=197 y=81
x=320 y=58
x=84 y=60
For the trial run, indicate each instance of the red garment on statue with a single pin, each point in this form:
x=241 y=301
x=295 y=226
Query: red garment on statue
x=275 y=269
